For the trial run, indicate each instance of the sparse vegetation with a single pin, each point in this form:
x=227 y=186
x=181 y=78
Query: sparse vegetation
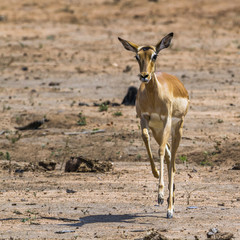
x=117 y=114
x=81 y=120
x=183 y=159
x=73 y=102
x=103 y=107
x=6 y=108
x=14 y=138
x=205 y=161
x=66 y=152
x=217 y=147
x=6 y=156
x=139 y=157
x=25 y=219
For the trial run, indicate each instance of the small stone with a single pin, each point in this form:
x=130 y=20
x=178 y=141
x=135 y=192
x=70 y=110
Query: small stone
x=24 y=68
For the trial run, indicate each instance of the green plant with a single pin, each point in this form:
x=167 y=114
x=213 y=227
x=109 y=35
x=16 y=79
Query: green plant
x=103 y=107
x=183 y=159
x=205 y=161
x=13 y=139
x=6 y=108
x=117 y=114
x=73 y=102
x=17 y=212
x=50 y=37
x=7 y=156
x=25 y=219
x=217 y=147
x=18 y=119
x=139 y=157
x=81 y=120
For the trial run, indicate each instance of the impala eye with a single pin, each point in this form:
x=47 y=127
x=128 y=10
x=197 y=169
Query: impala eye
x=137 y=57
x=154 y=57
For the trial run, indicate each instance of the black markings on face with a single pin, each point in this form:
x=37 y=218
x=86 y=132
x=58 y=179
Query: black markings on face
x=146 y=48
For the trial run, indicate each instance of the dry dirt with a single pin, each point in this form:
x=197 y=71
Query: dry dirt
x=57 y=54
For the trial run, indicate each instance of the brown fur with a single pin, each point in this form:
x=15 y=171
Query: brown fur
x=159 y=93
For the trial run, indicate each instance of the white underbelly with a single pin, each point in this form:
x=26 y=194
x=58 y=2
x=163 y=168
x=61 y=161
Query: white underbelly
x=157 y=121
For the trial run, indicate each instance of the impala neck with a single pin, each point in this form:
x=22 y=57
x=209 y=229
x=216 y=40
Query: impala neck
x=152 y=84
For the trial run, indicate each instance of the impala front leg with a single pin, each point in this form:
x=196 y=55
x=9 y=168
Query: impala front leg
x=146 y=140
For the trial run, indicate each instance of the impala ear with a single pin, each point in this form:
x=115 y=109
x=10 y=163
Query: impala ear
x=129 y=45
x=164 y=43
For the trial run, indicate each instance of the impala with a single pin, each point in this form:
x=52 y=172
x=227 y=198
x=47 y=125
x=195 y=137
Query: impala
x=162 y=103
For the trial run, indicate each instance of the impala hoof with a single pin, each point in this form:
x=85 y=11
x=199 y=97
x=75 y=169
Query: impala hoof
x=169 y=214
x=160 y=199
x=156 y=174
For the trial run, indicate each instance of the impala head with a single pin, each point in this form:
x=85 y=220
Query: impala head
x=147 y=55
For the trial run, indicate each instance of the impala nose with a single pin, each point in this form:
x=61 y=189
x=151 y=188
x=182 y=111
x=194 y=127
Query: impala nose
x=144 y=77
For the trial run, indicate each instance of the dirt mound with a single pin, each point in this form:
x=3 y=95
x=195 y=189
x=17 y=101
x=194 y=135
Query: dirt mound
x=80 y=164
x=226 y=154
x=156 y=235
x=20 y=167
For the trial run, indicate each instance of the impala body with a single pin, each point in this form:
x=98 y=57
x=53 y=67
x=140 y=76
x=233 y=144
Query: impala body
x=162 y=103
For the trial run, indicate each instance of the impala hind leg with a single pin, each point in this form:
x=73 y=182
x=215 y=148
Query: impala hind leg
x=161 y=179
x=168 y=161
x=167 y=158
x=176 y=138
x=146 y=140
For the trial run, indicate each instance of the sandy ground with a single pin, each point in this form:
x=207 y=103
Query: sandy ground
x=57 y=54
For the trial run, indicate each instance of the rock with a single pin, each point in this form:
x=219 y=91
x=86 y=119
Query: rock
x=127 y=69
x=65 y=231
x=214 y=233
x=49 y=166
x=236 y=166
x=81 y=164
x=130 y=98
x=33 y=125
x=83 y=104
x=51 y=84
x=24 y=68
x=70 y=191
x=106 y=103
x=156 y=235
